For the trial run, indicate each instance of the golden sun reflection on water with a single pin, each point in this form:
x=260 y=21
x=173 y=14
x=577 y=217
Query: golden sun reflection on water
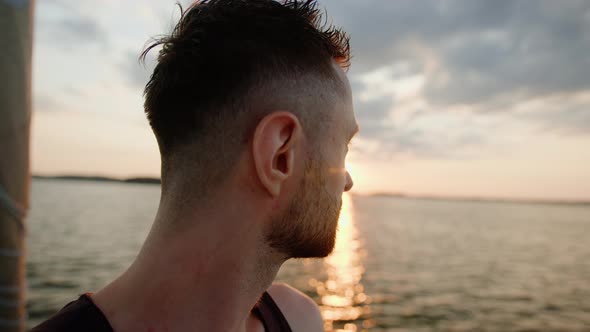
x=342 y=294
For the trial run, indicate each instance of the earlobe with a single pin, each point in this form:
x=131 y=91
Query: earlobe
x=273 y=149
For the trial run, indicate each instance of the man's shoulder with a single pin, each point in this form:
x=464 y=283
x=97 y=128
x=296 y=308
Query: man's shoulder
x=78 y=315
x=302 y=313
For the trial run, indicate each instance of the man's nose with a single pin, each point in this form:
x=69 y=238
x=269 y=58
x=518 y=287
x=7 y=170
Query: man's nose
x=349 y=182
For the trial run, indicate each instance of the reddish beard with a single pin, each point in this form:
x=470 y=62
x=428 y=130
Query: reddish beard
x=307 y=227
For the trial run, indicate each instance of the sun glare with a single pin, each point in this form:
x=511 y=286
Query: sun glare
x=342 y=294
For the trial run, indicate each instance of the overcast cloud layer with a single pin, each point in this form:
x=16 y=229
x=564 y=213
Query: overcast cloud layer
x=496 y=61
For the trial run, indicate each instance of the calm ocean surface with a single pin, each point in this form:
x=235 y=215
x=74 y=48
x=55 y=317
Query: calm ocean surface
x=399 y=264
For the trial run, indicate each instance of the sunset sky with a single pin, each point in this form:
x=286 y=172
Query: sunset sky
x=461 y=98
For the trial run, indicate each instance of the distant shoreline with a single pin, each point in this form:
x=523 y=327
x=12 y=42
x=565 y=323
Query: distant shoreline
x=98 y=178
x=151 y=180
x=481 y=199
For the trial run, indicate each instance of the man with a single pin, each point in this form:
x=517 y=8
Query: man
x=252 y=111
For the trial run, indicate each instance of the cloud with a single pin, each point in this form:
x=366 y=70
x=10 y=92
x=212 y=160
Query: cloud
x=45 y=103
x=467 y=68
x=137 y=72
x=61 y=24
x=79 y=30
x=475 y=51
x=564 y=114
x=539 y=50
x=396 y=120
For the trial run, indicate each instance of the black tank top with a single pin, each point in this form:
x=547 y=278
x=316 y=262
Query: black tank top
x=79 y=315
x=84 y=315
x=270 y=315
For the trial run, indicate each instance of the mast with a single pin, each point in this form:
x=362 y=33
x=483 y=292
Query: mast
x=16 y=31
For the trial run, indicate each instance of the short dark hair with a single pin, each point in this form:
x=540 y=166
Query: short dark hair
x=221 y=51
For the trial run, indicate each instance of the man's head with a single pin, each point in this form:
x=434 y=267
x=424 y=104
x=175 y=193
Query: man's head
x=257 y=83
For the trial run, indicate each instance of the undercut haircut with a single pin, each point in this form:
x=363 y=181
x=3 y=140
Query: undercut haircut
x=228 y=63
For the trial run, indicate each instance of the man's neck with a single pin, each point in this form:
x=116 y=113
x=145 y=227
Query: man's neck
x=207 y=278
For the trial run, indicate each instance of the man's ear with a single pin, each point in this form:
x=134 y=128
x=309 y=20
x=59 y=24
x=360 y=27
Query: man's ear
x=273 y=148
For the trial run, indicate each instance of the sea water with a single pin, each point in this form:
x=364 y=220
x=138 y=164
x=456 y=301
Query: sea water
x=400 y=264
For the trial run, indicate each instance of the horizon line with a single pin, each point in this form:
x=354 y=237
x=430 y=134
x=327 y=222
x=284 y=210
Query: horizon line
x=391 y=194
